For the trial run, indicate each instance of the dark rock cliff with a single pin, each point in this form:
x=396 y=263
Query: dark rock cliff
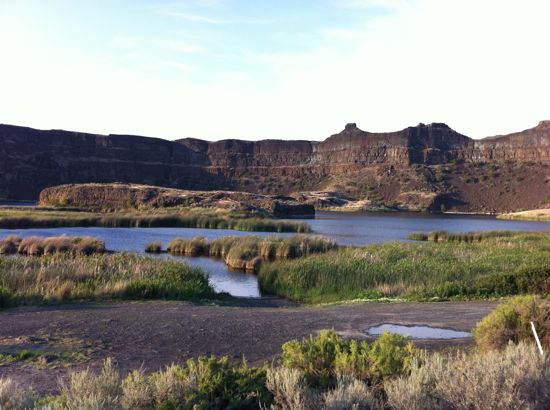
x=384 y=167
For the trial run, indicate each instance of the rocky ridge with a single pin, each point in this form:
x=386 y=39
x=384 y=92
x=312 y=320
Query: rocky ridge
x=422 y=167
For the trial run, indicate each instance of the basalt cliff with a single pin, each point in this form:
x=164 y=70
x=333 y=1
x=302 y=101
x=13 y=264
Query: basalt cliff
x=429 y=167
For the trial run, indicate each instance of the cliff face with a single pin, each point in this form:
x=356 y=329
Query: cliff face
x=423 y=161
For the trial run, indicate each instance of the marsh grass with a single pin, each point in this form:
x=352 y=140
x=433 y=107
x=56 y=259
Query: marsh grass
x=61 y=277
x=153 y=247
x=39 y=246
x=247 y=252
x=444 y=236
x=35 y=218
x=497 y=266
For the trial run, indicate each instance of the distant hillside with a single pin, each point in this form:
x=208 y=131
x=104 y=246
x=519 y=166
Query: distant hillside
x=421 y=167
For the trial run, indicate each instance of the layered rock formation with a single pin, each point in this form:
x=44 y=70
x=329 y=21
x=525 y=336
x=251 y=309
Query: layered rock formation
x=422 y=167
x=124 y=196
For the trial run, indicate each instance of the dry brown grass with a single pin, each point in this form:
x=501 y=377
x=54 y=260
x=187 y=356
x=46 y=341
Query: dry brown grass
x=247 y=252
x=39 y=246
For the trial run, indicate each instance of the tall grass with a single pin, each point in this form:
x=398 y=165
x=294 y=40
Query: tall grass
x=498 y=266
x=444 y=236
x=38 y=246
x=60 y=277
x=13 y=219
x=247 y=252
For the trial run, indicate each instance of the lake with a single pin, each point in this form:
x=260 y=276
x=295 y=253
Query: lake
x=344 y=228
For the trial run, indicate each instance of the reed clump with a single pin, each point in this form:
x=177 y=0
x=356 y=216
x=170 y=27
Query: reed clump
x=247 y=252
x=153 y=247
x=40 y=246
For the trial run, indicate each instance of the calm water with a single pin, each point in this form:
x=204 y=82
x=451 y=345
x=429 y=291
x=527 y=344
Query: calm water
x=418 y=331
x=344 y=228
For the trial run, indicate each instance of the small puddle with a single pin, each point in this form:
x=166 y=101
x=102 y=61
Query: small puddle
x=418 y=331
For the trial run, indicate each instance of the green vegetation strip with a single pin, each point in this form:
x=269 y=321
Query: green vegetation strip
x=18 y=219
x=497 y=266
x=61 y=277
x=328 y=372
x=444 y=236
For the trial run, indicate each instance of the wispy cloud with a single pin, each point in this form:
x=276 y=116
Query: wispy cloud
x=181 y=47
x=372 y=4
x=199 y=18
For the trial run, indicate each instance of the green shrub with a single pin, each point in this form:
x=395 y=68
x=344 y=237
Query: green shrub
x=315 y=356
x=5 y=296
x=323 y=357
x=217 y=384
x=510 y=322
x=391 y=354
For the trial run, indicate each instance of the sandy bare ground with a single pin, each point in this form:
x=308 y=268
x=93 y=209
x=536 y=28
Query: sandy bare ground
x=155 y=333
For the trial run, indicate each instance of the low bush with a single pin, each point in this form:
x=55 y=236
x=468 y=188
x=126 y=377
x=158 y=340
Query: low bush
x=14 y=397
x=516 y=378
x=510 y=322
x=323 y=357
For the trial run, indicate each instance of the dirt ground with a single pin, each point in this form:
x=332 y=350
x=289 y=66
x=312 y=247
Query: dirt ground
x=156 y=333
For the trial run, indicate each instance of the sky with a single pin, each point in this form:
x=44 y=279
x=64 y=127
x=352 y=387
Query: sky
x=257 y=69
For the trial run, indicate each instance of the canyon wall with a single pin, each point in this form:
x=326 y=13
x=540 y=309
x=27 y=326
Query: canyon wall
x=428 y=161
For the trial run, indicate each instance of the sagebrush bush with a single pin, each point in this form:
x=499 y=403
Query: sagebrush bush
x=323 y=357
x=13 y=397
x=86 y=390
x=290 y=391
x=516 y=378
x=510 y=322
x=350 y=394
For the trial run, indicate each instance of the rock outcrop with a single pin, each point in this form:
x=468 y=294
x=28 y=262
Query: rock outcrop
x=425 y=166
x=130 y=196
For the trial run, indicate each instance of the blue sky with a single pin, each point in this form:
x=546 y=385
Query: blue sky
x=273 y=69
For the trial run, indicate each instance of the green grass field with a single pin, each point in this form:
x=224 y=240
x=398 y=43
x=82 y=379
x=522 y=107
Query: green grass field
x=496 y=266
x=14 y=218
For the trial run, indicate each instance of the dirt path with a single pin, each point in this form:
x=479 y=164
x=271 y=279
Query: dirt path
x=155 y=333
